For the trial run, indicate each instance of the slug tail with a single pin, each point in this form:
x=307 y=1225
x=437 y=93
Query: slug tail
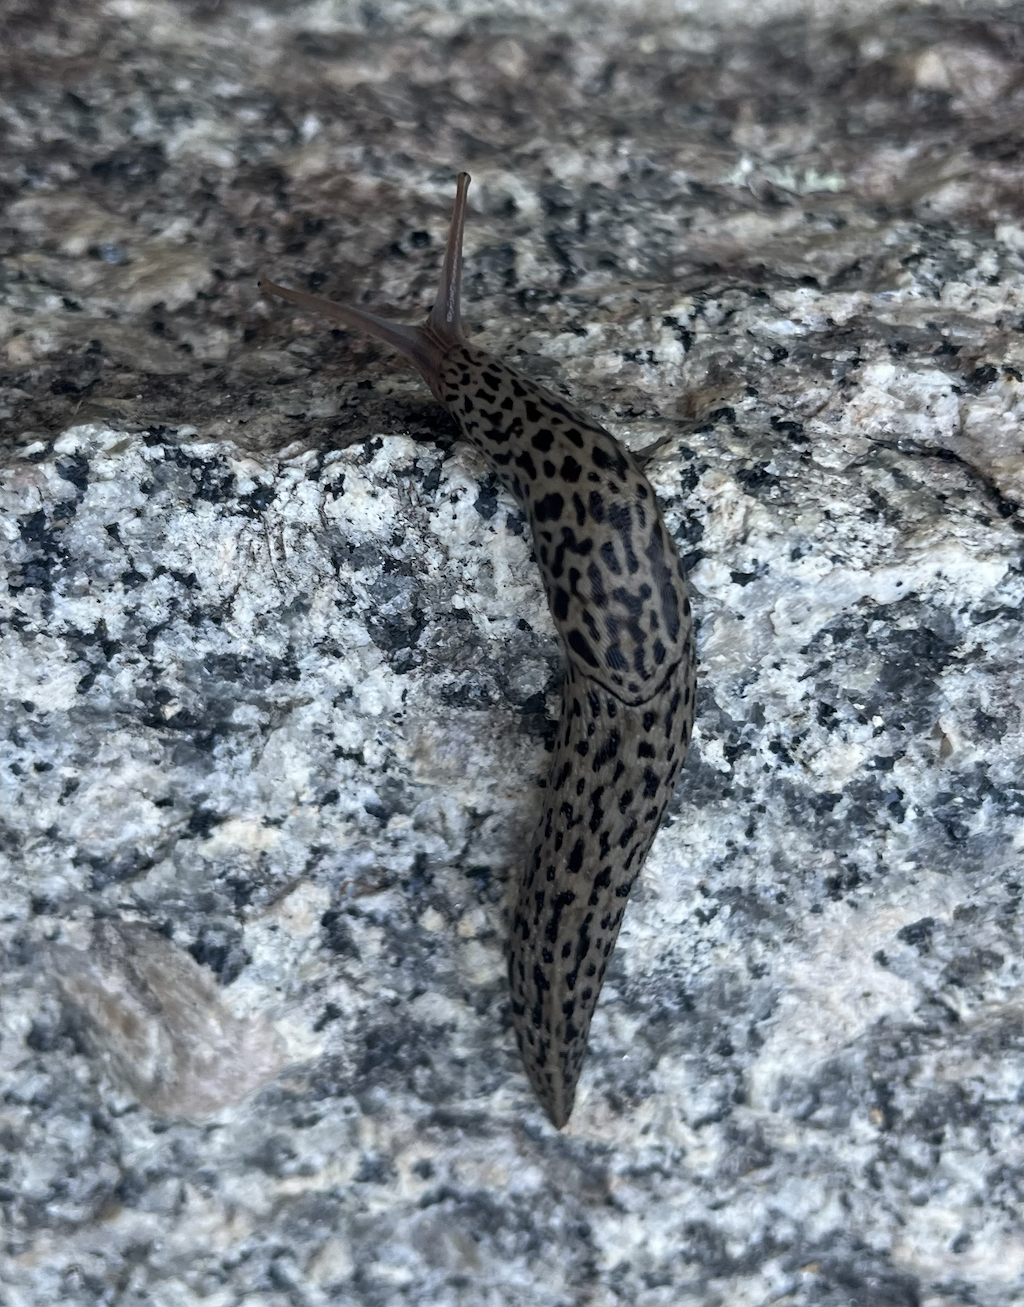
x=445 y=317
x=610 y=779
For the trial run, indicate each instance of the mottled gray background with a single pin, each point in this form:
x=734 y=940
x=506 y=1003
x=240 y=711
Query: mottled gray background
x=279 y=677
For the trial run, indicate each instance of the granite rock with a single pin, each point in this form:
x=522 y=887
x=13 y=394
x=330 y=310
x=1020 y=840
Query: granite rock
x=279 y=677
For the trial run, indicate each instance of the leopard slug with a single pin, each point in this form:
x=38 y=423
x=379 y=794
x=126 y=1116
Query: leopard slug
x=616 y=590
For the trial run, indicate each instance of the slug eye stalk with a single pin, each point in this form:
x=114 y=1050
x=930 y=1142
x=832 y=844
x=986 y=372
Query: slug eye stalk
x=424 y=346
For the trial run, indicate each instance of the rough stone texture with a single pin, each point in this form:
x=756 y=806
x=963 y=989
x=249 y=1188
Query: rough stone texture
x=279 y=676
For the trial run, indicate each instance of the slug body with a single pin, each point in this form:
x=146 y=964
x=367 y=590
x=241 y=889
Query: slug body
x=616 y=590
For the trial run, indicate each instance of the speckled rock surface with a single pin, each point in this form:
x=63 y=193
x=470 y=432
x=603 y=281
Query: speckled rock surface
x=279 y=676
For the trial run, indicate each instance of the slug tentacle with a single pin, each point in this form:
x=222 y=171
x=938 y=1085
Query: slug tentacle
x=446 y=315
x=419 y=344
x=616 y=590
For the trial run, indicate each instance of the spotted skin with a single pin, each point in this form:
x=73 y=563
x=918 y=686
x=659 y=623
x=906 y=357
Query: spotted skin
x=616 y=590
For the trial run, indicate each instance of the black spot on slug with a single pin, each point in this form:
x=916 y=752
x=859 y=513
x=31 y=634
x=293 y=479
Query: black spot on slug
x=579 y=644
x=549 y=509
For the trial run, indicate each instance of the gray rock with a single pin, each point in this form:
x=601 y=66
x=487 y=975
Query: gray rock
x=279 y=675
x=155 y=1015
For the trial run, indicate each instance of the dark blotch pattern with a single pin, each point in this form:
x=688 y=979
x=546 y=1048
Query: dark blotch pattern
x=612 y=578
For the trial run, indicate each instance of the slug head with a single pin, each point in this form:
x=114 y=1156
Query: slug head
x=425 y=346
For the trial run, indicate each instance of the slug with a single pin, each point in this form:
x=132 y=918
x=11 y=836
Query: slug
x=617 y=594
